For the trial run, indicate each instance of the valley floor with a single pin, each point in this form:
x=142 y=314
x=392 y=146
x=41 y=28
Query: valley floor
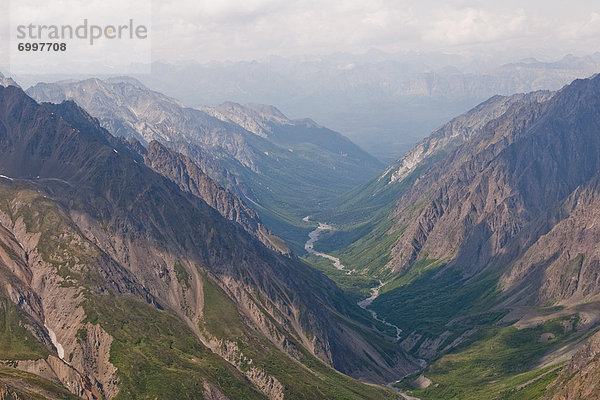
x=313 y=237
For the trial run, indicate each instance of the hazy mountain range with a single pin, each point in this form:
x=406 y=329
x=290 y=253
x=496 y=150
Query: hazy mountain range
x=385 y=103
x=285 y=168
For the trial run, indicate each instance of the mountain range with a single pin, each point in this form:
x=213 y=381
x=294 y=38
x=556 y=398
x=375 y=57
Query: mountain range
x=283 y=168
x=132 y=261
x=120 y=281
x=383 y=102
x=484 y=236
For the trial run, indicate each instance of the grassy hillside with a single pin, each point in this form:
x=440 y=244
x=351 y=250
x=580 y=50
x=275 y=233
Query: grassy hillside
x=307 y=378
x=496 y=363
x=158 y=356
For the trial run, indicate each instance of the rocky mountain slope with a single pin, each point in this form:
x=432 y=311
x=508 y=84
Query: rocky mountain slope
x=281 y=167
x=182 y=171
x=507 y=176
x=580 y=379
x=118 y=283
x=490 y=221
x=5 y=81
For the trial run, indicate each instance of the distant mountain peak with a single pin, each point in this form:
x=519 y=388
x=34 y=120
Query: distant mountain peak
x=266 y=110
x=7 y=81
x=128 y=80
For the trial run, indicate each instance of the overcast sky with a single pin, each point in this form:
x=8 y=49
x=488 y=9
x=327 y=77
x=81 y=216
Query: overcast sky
x=231 y=29
x=205 y=30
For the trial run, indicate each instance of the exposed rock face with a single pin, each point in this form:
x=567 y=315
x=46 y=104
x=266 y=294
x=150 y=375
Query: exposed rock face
x=253 y=151
x=560 y=260
x=182 y=170
x=83 y=219
x=212 y=393
x=580 y=379
x=50 y=302
x=231 y=352
x=523 y=175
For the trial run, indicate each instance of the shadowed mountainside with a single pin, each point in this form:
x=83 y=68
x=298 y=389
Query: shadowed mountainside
x=117 y=283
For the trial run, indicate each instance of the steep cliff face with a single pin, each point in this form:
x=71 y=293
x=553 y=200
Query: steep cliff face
x=473 y=203
x=109 y=260
x=182 y=171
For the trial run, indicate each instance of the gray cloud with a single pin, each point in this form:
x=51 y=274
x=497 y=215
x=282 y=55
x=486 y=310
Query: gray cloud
x=232 y=29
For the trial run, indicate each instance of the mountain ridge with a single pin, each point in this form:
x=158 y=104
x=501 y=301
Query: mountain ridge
x=483 y=235
x=282 y=168
x=102 y=232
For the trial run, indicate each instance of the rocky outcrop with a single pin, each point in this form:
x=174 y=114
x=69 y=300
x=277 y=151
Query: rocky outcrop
x=212 y=393
x=230 y=351
x=580 y=379
x=182 y=171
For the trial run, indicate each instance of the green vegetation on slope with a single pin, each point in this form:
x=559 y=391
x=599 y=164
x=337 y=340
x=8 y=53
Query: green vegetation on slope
x=365 y=233
x=158 y=356
x=318 y=381
x=496 y=363
x=16 y=343
x=372 y=251
x=356 y=285
x=408 y=302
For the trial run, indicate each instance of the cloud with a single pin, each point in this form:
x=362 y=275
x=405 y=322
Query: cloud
x=234 y=29
x=587 y=27
x=470 y=25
